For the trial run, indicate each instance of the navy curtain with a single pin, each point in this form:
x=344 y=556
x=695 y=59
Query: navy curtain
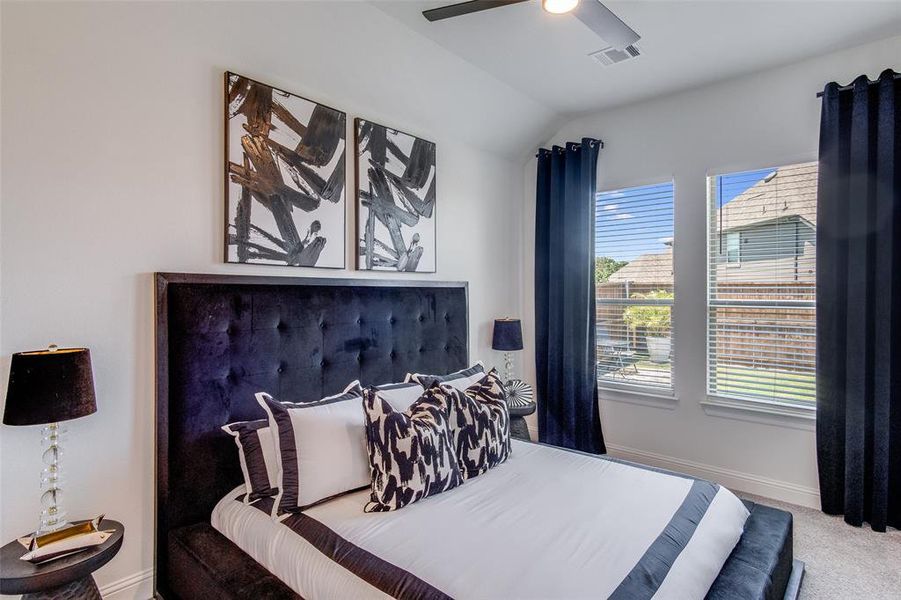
x=859 y=303
x=565 y=353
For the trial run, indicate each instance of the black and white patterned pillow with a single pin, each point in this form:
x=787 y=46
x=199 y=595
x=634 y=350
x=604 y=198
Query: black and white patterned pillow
x=480 y=424
x=411 y=455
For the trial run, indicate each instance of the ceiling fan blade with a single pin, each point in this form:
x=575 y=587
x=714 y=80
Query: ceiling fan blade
x=605 y=24
x=464 y=8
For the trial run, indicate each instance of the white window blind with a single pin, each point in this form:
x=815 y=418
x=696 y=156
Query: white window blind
x=634 y=286
x=761 y=327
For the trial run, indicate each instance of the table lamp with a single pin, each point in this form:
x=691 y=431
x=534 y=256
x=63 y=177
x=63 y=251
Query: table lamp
x=507 y=338
x=47 y=387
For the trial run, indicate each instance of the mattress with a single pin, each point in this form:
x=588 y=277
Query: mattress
x=548 y=523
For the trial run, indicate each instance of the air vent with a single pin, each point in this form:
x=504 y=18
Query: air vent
x=611 y=56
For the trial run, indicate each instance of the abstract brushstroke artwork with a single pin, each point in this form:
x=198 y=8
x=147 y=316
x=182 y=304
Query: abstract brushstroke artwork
x=395 y=200
x=284 y=178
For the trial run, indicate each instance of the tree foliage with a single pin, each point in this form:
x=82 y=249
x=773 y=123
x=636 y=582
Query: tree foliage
x=604 y=267
x=654 y=320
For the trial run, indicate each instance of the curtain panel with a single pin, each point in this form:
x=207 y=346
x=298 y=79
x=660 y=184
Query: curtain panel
x=859 y=302
x=565 y=351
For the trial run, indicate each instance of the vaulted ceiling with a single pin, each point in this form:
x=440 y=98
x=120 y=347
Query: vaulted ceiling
x=684 y=44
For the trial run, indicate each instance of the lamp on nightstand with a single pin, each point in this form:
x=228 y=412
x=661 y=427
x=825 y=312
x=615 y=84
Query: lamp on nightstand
x=507 y=338
x=47 y=387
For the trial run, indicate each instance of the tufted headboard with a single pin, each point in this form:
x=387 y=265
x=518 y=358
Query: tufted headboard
x=220 y=339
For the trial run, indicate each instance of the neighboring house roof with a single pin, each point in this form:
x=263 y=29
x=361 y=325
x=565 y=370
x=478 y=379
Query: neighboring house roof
x=792 y=192
x=647 y=268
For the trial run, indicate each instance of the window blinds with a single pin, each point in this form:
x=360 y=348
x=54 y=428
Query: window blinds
x=634 y=286
x=761 y=324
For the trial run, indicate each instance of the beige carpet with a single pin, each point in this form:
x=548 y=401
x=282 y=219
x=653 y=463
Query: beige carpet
x=843 y=562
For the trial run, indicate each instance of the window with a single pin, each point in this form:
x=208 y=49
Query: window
x=761 y=323
x=634 y=286
x=733 y=247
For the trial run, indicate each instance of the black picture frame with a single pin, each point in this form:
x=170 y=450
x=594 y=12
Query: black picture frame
x=416 y=191
x=296 y=245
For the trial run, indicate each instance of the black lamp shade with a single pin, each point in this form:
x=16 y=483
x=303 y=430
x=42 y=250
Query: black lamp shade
x=49 y=386
x=507 y=335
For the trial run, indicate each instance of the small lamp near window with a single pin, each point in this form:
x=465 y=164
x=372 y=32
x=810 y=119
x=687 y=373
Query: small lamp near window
x=507 y=338
x=47 y=387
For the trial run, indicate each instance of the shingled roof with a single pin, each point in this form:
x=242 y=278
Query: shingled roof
x=647 y=268
x=792 y=191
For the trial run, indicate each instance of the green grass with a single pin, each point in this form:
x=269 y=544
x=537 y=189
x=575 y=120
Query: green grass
x=732 y=380
x=748 y=381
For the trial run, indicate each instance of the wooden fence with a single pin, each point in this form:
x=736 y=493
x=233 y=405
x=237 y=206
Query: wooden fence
x=775 y=338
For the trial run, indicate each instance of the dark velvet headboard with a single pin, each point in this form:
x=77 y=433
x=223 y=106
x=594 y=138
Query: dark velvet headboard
x=220 y=339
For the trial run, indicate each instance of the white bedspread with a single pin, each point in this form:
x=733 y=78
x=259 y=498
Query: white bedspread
x=546 y=524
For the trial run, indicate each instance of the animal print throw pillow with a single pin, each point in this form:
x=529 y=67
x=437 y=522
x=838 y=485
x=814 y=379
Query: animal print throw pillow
x=480 y=424
x=411 y=455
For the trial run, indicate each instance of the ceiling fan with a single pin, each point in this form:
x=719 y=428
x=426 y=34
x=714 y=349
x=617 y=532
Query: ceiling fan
x=592 y=13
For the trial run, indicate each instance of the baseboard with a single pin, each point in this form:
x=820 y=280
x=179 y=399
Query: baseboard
x=138 y=586
x=734 y=480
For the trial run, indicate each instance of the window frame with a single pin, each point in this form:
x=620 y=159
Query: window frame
x=730 y=236
x=635 y=393
x=786 y=412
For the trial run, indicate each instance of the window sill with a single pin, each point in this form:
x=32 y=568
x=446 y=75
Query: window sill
x=641 y=396
x=767 y=413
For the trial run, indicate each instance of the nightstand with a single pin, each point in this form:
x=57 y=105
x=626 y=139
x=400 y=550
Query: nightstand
x=518 y=428
x=520 y=404
x=67 y=578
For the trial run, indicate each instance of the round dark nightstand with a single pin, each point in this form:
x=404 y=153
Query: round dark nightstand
x=518 y=427
x=66 y=578
x=520 y=404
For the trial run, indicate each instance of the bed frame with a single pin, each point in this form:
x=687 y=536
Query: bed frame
x=221 y=338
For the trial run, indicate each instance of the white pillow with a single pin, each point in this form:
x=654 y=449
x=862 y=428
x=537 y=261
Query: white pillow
x=321 y=448
x=400 y=395
x=459 y=380
x=463 y=383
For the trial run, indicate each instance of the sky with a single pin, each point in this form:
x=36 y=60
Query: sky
x=732 y=184
x=633 y=221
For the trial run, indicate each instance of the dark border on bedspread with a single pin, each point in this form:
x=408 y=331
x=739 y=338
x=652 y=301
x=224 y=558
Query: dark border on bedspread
x=752 y=571
x=379 y=573
x=652 y=568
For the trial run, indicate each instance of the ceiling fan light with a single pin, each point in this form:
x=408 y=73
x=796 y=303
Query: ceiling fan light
x=559 y=7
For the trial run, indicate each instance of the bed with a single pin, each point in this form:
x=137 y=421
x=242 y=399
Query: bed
x=220 y=339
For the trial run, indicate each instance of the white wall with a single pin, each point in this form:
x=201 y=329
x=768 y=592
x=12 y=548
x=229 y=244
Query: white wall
x=762 y=120
x=111 y=169
x=112 y=136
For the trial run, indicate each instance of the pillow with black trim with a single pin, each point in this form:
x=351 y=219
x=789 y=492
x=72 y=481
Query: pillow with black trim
x=411 y=455
x=400 y=395
x=480 y=424
x=461 y=379
x=256 y=453
x=321 y=448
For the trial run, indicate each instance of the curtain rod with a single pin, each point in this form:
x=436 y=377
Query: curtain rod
x=600 y=145
x=850 y=86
